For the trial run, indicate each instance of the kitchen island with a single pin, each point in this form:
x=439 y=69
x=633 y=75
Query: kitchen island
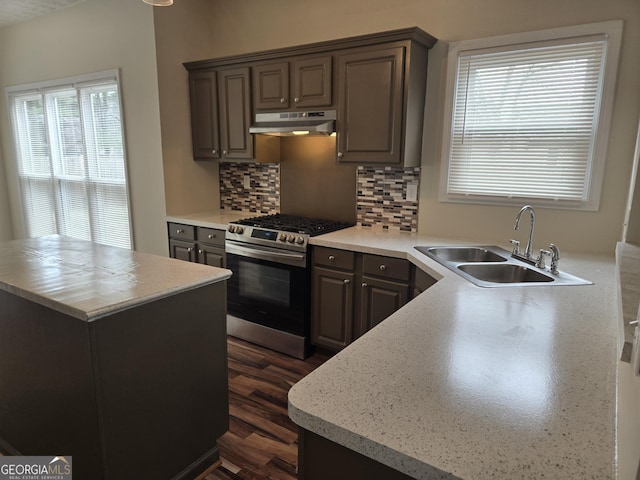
x=116 y=358
x=469 y=383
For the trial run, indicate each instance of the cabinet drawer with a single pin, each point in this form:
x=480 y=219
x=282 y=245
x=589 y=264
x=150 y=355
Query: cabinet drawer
x=332 y=257
x=211 y=236
x=386 y=267
x=181 y=231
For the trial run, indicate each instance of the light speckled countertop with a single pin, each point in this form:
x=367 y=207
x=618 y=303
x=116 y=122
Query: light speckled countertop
x=211 y=219
x=88 y=281
x=476 y=383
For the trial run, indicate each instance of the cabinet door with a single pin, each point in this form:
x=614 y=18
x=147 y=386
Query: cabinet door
x=369 y=121
x=332 y=308
x=271 y=86
x=235 y=113
x=380 y=298
x=182 y=250
x=203 y=93
x=212 y=256
x=312 y=79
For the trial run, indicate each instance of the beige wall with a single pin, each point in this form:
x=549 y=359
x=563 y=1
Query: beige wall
x=184 y=33
x=244 y=26
x=89 y=37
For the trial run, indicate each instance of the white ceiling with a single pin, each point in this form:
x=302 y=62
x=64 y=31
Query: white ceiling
x=16 y=11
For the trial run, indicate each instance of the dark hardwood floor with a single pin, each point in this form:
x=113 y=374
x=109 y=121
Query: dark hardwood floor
x=262 y=442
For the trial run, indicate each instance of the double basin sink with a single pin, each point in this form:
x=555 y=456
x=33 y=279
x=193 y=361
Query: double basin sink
x=492 y=266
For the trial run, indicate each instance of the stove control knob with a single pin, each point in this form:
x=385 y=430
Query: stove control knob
x=300 y=240
x=232 y=228
x=282 y=237
x=291 y=238
x=239 y=230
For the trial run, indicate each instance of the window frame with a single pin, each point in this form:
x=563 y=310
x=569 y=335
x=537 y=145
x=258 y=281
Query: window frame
x=612 y=30
x=79 y=82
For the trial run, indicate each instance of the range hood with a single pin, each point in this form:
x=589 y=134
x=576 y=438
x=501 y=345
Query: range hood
x=322 y=122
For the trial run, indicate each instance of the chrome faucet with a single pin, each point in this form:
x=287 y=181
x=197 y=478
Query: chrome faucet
x=529 y=248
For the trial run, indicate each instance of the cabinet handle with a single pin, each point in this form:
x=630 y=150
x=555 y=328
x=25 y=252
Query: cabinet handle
x=346 y=281
x=224 y=152
x=211 y=236
x=179 y=231
x=331 y=258
x=282 y=100
x=200 y=252
x=189 y=249
x=364 y=285
x=383 y=267
x=339 y=154
x=214 y=152
x=296 y=100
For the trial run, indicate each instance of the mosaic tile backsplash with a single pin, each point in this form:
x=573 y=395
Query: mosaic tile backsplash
x=381 y=193
x=382 y=198
x=261 y=194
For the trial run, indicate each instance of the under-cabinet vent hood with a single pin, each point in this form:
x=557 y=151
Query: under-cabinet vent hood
x=295 y=123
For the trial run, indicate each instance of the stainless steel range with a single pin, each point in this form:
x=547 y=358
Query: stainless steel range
x=268 y=296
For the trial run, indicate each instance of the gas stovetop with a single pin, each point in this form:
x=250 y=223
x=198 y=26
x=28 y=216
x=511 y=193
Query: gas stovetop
x=294 y=224
x=281 y=231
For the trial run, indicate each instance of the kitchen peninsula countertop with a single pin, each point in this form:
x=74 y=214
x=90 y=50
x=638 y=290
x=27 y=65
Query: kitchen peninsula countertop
x=88 y=281
x=471 y=383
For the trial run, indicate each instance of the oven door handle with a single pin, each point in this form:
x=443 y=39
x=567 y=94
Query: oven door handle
x=268 y=254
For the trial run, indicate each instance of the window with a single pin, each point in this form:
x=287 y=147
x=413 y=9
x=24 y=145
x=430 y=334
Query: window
x=528 y=117
x=71 y=159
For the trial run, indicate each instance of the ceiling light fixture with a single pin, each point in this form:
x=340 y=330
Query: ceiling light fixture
x=159 y=3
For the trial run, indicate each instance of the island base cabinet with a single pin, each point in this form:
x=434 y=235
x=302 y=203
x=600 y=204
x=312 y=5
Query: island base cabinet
x=139 y=393
x=322 y=459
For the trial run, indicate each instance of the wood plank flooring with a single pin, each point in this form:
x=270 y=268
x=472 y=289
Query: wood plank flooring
x=262 y=442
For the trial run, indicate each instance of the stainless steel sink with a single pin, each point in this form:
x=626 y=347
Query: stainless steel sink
x=463 y=254
x=504 y=273
x=492 y=266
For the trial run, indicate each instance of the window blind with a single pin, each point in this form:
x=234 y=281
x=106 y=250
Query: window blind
x=525 y=119
x=71 y=161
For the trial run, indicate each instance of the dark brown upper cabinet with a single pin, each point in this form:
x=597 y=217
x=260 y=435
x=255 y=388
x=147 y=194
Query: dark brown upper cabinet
x=376 y=83
x=381 y=104
x=235 y=113
x=203 y=90
x=271 y=86
x=221 y=115
x=300 y=83
x=370 y=113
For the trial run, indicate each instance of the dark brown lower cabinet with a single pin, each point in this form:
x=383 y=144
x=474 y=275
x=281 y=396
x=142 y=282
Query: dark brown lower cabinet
x=212 y=256
x=353 y=292
x=182 y=250
x=320 y=459
x=380 y=298
x=332 y=326
x=197 y=244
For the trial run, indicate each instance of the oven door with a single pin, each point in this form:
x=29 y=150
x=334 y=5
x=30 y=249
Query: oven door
x=269 y=286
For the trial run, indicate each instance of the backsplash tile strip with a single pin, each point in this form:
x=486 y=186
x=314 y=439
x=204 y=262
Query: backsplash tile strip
x=382 y=193
x=263 y=195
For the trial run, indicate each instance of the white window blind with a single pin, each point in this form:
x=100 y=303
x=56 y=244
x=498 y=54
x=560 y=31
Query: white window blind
x=71 y=161
x=525 y=121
